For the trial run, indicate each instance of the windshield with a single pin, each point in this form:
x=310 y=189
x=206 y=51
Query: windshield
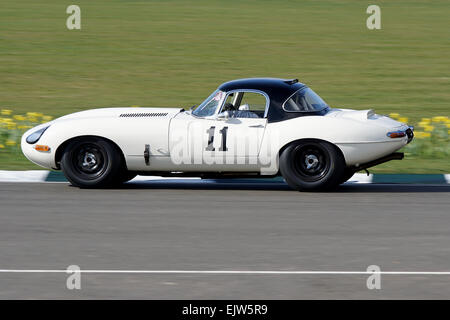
x=209 y=106
x=305 y=100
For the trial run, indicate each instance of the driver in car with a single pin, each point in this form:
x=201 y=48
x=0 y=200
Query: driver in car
x=242 y=112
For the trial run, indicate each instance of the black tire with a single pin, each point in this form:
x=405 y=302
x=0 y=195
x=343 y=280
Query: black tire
x=311 y=165
x=348 y=174
x=91 y=163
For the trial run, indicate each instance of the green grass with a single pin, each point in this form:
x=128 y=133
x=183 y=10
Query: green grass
x=174 y=53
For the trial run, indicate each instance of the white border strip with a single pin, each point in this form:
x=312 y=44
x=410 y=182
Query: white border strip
x=447 y=177
x=226 y=272
x=361 y=178
x=23 y=176
x=156 y=178
x=41 y=176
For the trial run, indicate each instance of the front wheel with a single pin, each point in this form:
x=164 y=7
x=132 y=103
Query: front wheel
x=91 y=163
x=312 y=165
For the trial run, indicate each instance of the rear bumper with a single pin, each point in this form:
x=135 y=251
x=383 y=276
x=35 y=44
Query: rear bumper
x=410 y=133
x=389 y=157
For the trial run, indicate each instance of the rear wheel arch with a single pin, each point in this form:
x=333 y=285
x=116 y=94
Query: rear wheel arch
x=310 y=140
x=324 y=168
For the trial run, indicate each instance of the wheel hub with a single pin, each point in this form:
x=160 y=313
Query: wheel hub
x=89 y=161
x=311 y=161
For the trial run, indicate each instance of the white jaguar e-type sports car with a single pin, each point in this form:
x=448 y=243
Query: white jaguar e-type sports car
x=251 y=127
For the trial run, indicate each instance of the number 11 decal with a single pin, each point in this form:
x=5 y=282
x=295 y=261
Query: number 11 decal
x=210 y=133
x=223 y=147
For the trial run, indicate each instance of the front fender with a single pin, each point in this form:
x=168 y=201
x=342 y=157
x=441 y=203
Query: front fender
x=129 y=134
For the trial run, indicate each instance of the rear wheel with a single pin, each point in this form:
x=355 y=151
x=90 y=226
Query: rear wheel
x=91 y=162
x=312 y=165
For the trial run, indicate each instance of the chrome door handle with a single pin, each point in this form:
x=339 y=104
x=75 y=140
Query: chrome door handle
x=257 y=126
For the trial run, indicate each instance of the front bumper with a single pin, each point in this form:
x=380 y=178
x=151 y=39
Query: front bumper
x=44 y=159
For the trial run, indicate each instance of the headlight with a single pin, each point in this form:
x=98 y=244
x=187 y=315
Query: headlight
x=35 y=136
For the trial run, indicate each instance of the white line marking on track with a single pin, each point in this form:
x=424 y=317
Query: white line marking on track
x=227 y=272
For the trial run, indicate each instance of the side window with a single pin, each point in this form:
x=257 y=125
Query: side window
x=256 y=102
x=230 y=101
x=245 y=104
x=304 y=100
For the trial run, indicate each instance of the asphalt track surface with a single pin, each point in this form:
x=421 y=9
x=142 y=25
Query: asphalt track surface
x=200 y=225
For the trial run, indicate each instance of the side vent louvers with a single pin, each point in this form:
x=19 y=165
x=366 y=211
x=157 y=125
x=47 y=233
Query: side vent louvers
x=140 y=115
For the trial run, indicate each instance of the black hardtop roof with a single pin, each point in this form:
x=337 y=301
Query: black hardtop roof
x=280 y=87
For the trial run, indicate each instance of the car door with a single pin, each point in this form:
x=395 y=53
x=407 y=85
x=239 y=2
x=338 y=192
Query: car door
x=234 y=136
x=228 y=140
x=233 y=141
x=188 y=134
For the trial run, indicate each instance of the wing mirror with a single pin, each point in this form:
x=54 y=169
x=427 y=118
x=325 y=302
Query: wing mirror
x=223 y=116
